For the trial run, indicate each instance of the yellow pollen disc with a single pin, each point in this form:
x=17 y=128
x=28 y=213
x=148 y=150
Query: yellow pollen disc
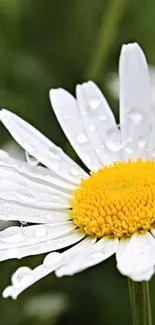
x=117 y=200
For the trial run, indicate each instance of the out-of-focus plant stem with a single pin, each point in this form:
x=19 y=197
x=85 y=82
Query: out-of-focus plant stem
x=107 y=32
x=140 y=303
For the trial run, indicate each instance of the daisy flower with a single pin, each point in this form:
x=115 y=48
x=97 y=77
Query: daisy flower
x=109 y=210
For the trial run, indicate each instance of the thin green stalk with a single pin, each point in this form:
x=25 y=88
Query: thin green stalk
x=107 y=33
x=140 y=303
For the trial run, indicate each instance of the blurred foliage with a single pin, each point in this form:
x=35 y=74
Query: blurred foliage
x=53 y=43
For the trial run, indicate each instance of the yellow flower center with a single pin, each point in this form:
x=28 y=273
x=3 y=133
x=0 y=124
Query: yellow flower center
x=116 y=200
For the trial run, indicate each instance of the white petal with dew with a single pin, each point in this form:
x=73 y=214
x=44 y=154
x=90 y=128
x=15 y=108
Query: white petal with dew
x=24 y=277
x=37 y=145
x=99 y=122
x=38 y=174
x=88 y=255
x=23 y=236
x=10 y=210
x=135 y=101
x=136 y=255
x=67 y=113
x=45 y=246
x=71 y=255
x=16 y=187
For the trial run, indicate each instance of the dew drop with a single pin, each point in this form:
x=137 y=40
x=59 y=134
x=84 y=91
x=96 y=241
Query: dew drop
x=141 y=142
x=52 y=258
x=12 y=235
x=113 y=139
x=135 y=115
x=40 y=231
x=102 y=117
x=56 y=197
x=31 y=160
x=129 y=145
x=81 y=138
x=22 y=276
x=24 y=195
x=55 y=153
x=94 y=103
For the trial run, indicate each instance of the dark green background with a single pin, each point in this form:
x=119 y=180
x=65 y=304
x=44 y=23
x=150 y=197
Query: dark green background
x=54 y=43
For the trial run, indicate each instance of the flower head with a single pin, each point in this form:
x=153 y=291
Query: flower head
x=109 y=210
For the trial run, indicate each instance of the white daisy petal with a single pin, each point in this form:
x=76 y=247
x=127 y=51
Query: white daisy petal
x=151 y=143
x=89 y=255
x=135 y=255
x=41 y=148
x=37 y=173
x=99 y=122
x=70 y=256
x=146 y=276
x=66 y=110
x=16 y=187
x=22 y=236
x=24 y=277
x=135 y=100
x=20 y=212
x=43 y=246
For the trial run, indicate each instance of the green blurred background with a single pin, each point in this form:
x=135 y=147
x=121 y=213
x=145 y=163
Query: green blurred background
x=54 y=43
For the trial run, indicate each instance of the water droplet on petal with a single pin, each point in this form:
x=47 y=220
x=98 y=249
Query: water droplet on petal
x=81 y=138
x=135 y=116
x=102 y=117
x=12 y=235
x=94 y=103
x=129 y=145
x=113 y=139
x=31 y=160
x=55 y=153
x=52 y=258
x=22 y=276
x=141 y=142
x=24 y=195
x=56 y=197
x=40 y=231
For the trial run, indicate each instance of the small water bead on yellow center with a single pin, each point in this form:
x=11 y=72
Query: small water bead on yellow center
x=117 y=200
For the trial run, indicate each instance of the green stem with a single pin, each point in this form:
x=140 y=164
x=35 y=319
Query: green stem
x=107 y=33
x=140 y=303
